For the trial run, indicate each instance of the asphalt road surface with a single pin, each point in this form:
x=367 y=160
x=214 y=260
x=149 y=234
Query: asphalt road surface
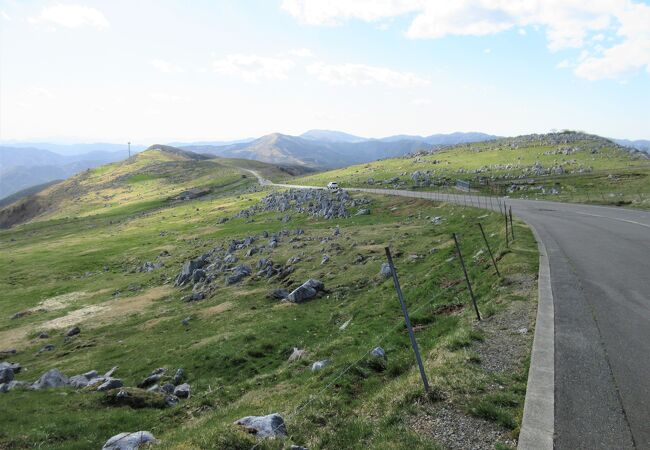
x=600 y=277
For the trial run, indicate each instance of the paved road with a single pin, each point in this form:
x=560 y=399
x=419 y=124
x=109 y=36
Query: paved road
x=600 y=278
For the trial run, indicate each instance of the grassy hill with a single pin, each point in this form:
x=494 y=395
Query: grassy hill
x=103 y=251
x=565 y=166
x=153 y=178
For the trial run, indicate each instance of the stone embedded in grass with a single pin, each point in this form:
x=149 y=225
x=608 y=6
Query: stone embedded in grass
x=83 y=380
x=436 y=220
x=198 y=275
x=110 y=383
x=363 y=212
x=325 y=260
x=150 y=380
x=179 y=376
x=129 y=441
x=385 y=270
x=182 y=390
x=238 y=273
x=15 y=367
x=297 y=354
x=6 y=375
x=319 y=365
x=73 y=331
x=43 y=335
x=168 y=388
x=268 y=426
x=379 y=352
x=111 y=372
x=51 y=379
x=308 y=290
x=188 y=269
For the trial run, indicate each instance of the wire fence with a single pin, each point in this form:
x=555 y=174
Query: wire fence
x=486 y=202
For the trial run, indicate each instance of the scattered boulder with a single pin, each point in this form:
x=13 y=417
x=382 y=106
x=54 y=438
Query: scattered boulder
x=324 y=260
x=129 y=441
x=363 y=212
x=53 y=378
x=168 y=388
x=264 y=426
x=110 y=383
x=385 y=270
x=308 y=290
x=238 y=273
x=43 y=335
x=188 y=269
x=15 y=367
x=379 y=352
x=182 y=391
x=6 y=375
x=110 y=373
x=73 y=331
x=436 y=220
x=83 y=380
x=178 y=376
x=319 y=365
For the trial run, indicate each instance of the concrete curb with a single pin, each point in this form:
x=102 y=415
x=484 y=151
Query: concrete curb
x=537 y=425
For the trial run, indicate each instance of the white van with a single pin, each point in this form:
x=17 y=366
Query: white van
x=332 y=185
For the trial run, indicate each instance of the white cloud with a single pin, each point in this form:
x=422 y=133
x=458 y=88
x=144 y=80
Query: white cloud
x=166 y=66
x=420 y=102
x=5 y=16
x=332 y=12
x=164 y=97
x=361 y=74
x=40 y=92
x=522 y=31
x=253 y=68
x=569 y=24
x=301 y=53
x=564 y=64
x=71 y=16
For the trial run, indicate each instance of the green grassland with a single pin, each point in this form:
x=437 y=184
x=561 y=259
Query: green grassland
x=78 y=266
x=595 y=170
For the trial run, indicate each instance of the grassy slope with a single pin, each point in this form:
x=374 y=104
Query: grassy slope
x=629 y=183
x=235 y=350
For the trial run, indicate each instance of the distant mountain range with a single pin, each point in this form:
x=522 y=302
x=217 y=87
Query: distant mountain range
x=24 y=167
x=640 y=144
x=324 y=149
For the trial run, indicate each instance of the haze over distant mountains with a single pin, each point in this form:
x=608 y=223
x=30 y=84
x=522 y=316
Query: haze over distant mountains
x=24 y=165
x=325 y=149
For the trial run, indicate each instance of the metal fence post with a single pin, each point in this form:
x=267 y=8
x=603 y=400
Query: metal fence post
x=487 y=244
x=512 y=227
x=505 y=216
x=469 y=285
x=414 y=343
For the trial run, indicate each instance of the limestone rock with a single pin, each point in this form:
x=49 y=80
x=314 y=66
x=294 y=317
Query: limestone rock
x=129 y=441
x=51 y=379
x=268 y=426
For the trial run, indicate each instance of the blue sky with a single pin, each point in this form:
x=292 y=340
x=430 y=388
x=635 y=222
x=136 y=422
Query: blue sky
x=160 y=71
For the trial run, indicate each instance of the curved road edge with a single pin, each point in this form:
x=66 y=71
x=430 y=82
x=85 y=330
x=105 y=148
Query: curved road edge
x=537 y=425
